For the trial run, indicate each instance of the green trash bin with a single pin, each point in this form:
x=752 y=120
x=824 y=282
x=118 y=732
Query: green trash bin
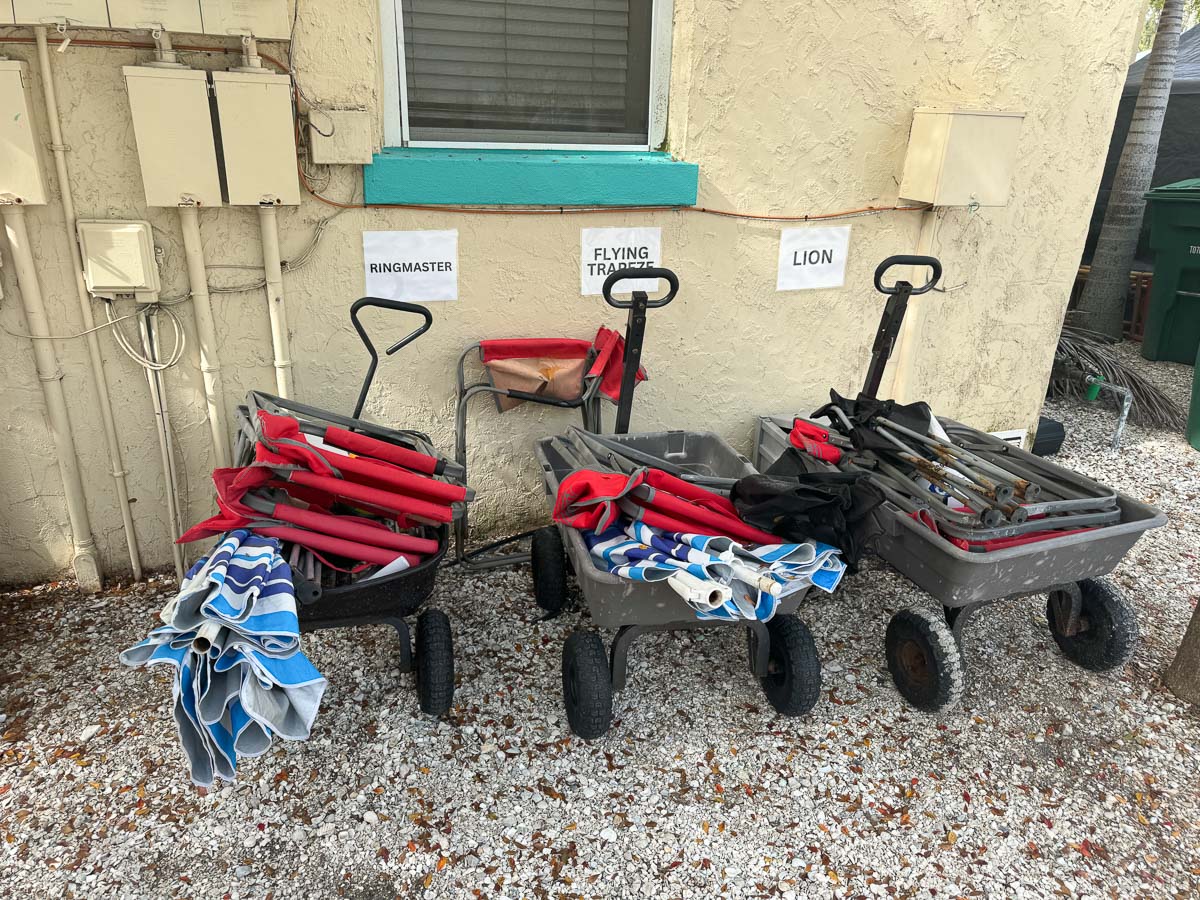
x=1173 y=322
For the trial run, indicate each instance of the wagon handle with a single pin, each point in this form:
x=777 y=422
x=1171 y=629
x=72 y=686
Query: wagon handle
x=905 y=260
x=621 y=274
x=382 y=303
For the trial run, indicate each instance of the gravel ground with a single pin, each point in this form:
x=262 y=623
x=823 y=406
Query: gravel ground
x=1047 y=781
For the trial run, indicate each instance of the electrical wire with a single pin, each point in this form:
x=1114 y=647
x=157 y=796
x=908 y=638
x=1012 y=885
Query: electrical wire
x=68 y=337
x=579 y=210
x=136 y=355
x=294 y=264
x=291 y=68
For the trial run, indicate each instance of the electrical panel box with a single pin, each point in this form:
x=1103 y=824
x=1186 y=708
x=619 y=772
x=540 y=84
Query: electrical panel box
x=172 y=124
x=79 y=13
x=341 y=136
x=21 y=176
x=118 y=257
x=258 y=137
x=960 y=157
x=262 y=18
x=173 y=15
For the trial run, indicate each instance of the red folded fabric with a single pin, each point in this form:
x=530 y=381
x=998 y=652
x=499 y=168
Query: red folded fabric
x=414 y=507
x=352 y=528
x=532 y=348
x=593 y=500
x=587 y=499
x=692 y=518
x=611 y=347
x=369 y=446
x=338 y=546
x=291 y=447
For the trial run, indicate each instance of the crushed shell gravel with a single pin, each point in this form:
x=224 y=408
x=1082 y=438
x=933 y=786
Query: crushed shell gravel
x=1046 y=781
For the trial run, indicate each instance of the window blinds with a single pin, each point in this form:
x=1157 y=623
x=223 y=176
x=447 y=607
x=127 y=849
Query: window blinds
x=546 y=71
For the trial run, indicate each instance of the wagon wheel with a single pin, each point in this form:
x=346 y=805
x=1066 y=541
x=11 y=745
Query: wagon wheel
x=793 y=680
x=1105 y=633
x=435 y=662
x=587 y=685
x=925 y=660
x=548 y=558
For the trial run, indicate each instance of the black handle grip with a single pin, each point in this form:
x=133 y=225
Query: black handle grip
x=905 y=260
x=621 y=274
x=397 y=305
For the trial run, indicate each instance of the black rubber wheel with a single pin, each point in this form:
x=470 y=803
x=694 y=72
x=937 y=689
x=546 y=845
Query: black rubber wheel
x=793 y=680
x=587 y=685
x=548 y=558
x=434 y=662
x=924 y=659
x=1108 y=628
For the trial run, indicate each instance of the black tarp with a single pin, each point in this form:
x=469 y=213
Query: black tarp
x=1178 y=148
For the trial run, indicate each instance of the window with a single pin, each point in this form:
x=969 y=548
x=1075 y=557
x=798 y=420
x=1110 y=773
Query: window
x=575 y=74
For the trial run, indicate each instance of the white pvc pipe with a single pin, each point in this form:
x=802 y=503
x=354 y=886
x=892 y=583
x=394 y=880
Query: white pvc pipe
x=86 y=561
x=99 y=378
x=166 y=443
x=273 y=268
x=206 y=334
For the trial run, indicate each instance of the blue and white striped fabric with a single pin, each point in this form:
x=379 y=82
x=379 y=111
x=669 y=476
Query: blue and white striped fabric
x=232 y=636
x=244 y=585
x=716 y=576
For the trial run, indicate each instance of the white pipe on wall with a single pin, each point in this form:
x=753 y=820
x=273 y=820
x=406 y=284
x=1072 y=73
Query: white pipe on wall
x=99 y=378
x=86 y=561
x=206 y=333
x=273 y=268
x=166 y=444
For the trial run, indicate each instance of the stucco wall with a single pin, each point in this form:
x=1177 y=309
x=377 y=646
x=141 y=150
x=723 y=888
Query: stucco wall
x=798 y=106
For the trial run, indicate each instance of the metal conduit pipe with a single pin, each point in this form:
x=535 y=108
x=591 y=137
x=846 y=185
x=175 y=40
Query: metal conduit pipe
x=86 y=560
x=206 y=333
x=99 y=378
x=273 y=269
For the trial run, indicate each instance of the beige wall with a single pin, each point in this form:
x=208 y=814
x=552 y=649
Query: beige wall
x=787 y=107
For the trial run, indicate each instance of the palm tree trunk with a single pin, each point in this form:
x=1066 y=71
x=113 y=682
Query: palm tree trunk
x=1183 y=675
x=1102 y=306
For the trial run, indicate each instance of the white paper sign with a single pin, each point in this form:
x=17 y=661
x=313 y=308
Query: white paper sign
x=812 y=258
x=605 y=250
x=419 y=266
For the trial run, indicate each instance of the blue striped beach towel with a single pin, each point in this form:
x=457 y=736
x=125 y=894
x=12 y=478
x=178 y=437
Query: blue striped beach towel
x=232 y=637
x=716 y=576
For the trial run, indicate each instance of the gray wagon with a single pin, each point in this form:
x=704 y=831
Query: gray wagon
x=1093 y=625
x=1089 y=619
x=782 y=653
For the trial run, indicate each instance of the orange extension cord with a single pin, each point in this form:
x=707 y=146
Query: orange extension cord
x=552 y=211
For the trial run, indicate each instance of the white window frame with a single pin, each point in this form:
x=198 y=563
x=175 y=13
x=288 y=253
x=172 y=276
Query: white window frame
x=395 y=87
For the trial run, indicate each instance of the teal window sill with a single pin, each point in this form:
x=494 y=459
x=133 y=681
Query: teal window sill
x=529 y=178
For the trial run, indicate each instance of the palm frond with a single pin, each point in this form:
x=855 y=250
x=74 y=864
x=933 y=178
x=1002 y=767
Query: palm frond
x=1082 y=352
